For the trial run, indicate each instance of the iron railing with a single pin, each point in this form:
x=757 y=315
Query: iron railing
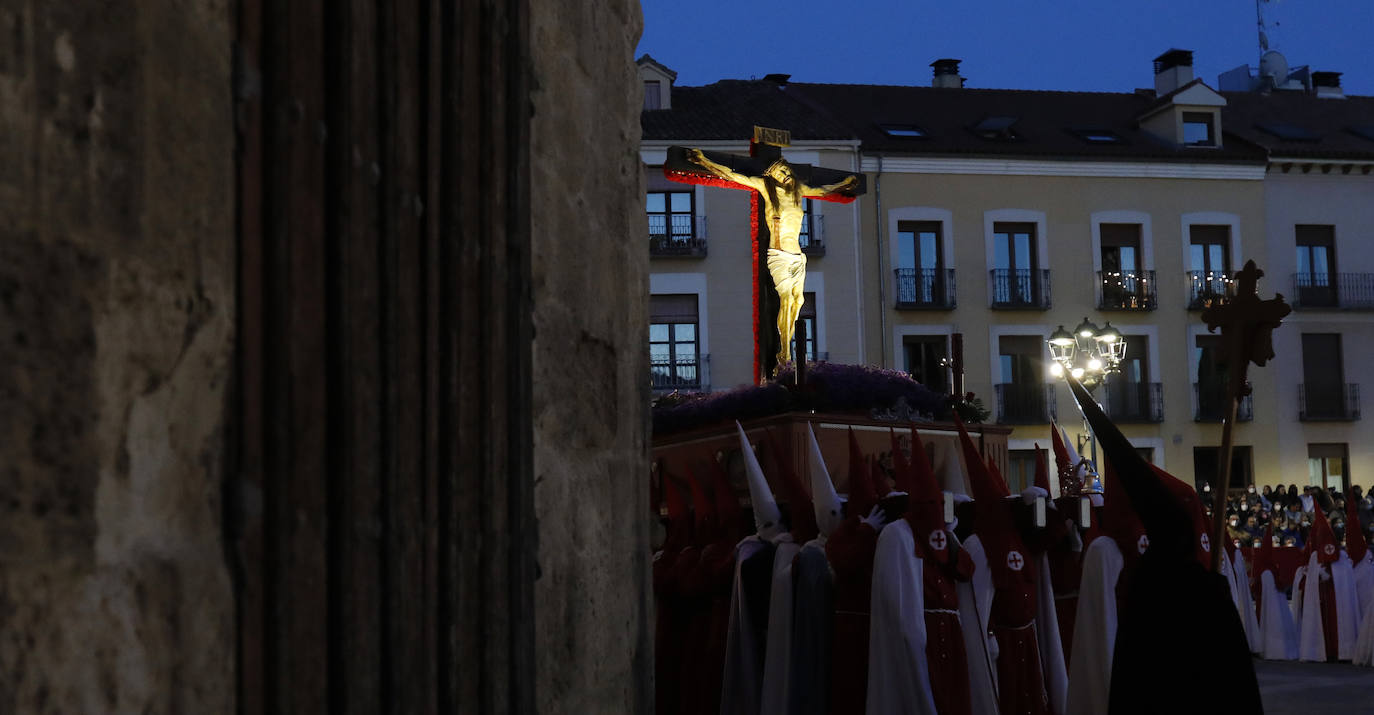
x=1345 y=291
x=1126 y=290
x=1332 y=401
x=1022 y=289
x=667 y=374
x=680 y=237
x=812 y=236
x=1209 y=403
x=929 y=288
x=1025 y=404
x=1208 y=287
x=1133 y=401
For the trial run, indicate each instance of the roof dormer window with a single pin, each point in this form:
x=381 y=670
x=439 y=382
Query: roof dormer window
x=996 y=129
x=652 y=98
x=1198 y=129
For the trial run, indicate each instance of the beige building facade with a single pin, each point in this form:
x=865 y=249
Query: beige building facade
x=999 y=215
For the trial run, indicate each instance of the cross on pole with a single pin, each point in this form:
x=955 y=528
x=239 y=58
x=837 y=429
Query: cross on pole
x=1247 y=326
x=779 y=189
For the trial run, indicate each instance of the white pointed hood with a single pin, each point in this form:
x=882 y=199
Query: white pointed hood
x=1080 y=472
x=767 y=517
x=825 y=501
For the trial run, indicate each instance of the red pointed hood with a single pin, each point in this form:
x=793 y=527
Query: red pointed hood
x=882 y=486
x=729 y=515
x=901 y=466
x=1355 y=544
x=679 y=529
x=861 y=494
x=1063 y=463
x=984 y=485
x=1188 y=497
x=800 y=510
x=704 y=527
x=925 y=506
x=1322 y=540
x=1042 y=471
x=993 y=518
x=1118 y=520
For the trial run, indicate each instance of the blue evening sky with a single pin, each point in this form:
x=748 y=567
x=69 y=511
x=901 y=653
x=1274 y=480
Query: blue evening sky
x=1094 y=45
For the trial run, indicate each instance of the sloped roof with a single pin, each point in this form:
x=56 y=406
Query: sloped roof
x=1049 y=124
x=730 y=108
x=1329 y=121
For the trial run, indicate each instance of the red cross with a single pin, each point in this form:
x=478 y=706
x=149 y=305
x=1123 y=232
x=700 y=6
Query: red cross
x=1143 y=543
x=1014 y=561
x=1206 y=543
x=1329 y=549
x=937 y=540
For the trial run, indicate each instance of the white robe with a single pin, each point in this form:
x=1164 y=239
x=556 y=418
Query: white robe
x=777 y=658
x=1052 y=666
x=975 y=607
x=1094 y=630
x=1307 y=611
x=898 y=672
x=1364 y=584
x=1234 y=570
x=741 y=680
x=1280 y=633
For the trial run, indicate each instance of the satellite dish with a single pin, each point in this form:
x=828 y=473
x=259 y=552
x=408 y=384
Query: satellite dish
x=1275 y=66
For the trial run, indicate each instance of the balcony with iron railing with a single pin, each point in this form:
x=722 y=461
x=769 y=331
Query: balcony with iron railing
x=1025 y=404
x=925 y=288
x=812 y=236
x=1019 y=289
x=1328 y=402
x=1133 y=401
x=1338 y=291
x=1209 y=403
x=1208 y=287
x=682 y=237
x=1126 y=290
x=668 y=374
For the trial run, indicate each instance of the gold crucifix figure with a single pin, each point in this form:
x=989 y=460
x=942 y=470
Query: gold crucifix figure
x=784 y=210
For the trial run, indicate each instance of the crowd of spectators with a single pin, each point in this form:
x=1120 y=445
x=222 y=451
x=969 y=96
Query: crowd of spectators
x=1291 y=513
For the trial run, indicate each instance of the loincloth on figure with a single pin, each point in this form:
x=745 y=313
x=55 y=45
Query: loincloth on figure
x=788 y=271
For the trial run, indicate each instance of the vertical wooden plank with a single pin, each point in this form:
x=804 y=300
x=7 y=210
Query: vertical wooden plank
x=438 y=698
x=307 y=529
x=358 y=178
x=244 y=515
x=402 y=41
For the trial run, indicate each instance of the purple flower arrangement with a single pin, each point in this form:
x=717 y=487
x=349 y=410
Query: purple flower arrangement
x=829 y=387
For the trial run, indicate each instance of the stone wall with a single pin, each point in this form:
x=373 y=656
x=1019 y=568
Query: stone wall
x=591 y=391
x=116 y=334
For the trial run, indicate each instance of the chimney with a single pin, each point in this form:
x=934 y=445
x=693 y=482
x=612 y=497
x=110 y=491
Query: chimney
x=1327 y=84
x=1173 y=69
x=946 y=74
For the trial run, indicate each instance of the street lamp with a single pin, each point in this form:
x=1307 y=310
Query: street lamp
x=1089 y=354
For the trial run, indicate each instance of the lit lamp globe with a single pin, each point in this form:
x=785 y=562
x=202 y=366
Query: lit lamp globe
x=1062 y=345
x=1111 y=345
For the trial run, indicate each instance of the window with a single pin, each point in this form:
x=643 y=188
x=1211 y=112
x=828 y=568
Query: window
x=1327 y=465
x=1124 y=285
x=1209 y=259
x=1130 y=396
x=1198 y=130
x=922 y=355
x=1323 y=390
x=920 y=264
x=1098 y=136
x=807 y=329
x=674 y=357
x=1022 y=396
x=1207 y=462
x=651 y=96
x=996 y=129
x=903 y=131
x=670 y=218
x=1315 y=282
x=1146 y=453
x=1014 y=265
x=1021 y=469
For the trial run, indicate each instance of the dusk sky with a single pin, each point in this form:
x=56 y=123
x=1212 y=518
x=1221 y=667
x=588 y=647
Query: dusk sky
x=1092 y=45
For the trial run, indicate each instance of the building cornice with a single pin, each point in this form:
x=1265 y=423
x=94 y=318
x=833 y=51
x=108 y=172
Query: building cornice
x=1096 y=169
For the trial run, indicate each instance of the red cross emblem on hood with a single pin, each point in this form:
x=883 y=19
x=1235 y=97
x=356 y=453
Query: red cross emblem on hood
x=937 y=540
x=1014 y=561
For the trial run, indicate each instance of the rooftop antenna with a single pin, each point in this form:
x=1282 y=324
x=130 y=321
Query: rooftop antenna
x=1264 y=27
